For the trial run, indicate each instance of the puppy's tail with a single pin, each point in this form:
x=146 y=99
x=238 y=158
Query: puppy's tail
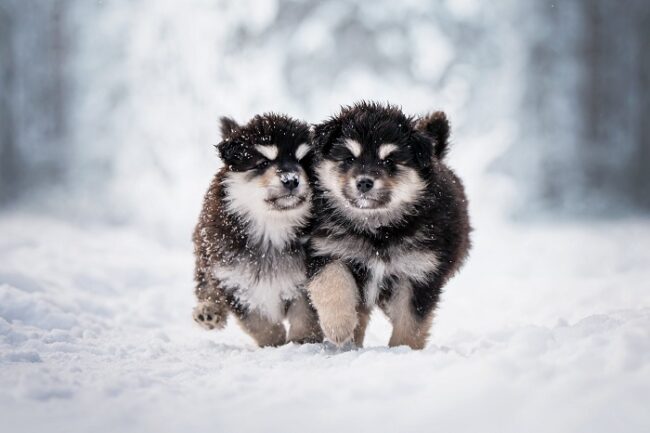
x=436 y=126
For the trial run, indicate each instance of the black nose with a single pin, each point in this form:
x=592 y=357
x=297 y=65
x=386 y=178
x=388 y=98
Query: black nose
x=290 y=181
x=365 y=184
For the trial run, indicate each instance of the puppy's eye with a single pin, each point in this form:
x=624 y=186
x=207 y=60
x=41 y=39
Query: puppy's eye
x=389 y=162
x=262 y=165
x=350 y=159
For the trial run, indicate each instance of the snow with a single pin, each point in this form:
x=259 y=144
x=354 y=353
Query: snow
x=546 y=329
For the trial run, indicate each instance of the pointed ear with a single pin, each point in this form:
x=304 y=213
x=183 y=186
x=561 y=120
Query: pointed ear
x=324 y=134
x=234 y=153
x=436 y=126
x=421 y=148
x=228 y=126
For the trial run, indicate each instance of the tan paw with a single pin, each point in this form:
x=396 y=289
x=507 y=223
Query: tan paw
x=334 y=294
x=339 y=328
x=210 y=315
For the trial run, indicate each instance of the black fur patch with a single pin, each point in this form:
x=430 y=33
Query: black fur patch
x=436 y=126
x=228 y=127
x=237 y=148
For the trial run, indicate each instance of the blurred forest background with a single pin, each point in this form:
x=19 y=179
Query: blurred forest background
x=108 y=109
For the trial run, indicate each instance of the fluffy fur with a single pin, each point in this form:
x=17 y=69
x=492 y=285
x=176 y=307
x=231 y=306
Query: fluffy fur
x=392 y=218
x=249 y=241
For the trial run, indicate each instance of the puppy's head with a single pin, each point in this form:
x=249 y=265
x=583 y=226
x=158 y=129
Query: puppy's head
x=375 y=161
x=266 y=160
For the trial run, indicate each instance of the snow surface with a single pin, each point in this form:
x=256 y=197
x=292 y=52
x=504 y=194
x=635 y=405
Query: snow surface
x=547 y=329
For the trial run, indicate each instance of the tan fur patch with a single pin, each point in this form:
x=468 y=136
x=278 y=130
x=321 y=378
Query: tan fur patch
x=335 y=296
x=269 y=152
x=408 y=330
x=391 y=181
x=303 y=322
x=267 y=178
x=302 y=151
x=363 y=316
x=343 y=179
x=354 y=147
x=264 y=332
x=386 y=149
x=210 y=314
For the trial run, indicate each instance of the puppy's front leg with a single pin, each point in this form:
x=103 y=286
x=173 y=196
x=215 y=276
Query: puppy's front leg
x=211 y=312
x=303 y=322
x=410 y=325
x=334 y=294
x=264 y=331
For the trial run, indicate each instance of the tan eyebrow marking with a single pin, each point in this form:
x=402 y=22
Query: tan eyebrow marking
x=270 y=152
x=354 y=147
x=302 y=150
x=386 y=149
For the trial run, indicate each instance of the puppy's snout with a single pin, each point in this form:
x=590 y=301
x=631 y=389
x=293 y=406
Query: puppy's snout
x=290 y=180
x=365 y=184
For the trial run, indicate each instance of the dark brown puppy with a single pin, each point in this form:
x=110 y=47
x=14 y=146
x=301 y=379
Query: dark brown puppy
x=392 y=225
x=249 y=241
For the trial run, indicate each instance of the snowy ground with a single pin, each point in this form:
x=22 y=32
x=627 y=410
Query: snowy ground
x=547 y=329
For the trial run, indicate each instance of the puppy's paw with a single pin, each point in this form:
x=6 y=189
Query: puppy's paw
x=333 y=348
x=313 y=338
x=339 y=327
x=210 y=315
x=334 y=294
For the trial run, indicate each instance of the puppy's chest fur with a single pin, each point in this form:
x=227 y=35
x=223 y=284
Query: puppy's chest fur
x=256 y=255
x=380 y=267
x=263 y=280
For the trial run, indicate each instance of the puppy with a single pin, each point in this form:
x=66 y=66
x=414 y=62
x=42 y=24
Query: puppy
x=392 y=224
x=249 y=241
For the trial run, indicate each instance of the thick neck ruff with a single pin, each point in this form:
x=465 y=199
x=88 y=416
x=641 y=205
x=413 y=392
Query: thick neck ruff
x=266 y=226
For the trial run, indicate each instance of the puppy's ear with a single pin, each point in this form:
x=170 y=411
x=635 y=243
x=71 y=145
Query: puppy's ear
x=421 y=148
x=228 y=127
x=324 y=134
x=234 y=153
x=436 y=126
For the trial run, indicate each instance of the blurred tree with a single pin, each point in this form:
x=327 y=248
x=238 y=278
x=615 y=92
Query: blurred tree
x=8 y=156
x=33 y=97
x=586 y=105
x=615 y=98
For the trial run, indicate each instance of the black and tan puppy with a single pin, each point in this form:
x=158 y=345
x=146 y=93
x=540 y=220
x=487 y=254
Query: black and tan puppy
x=249 y=241
x=392 y=225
